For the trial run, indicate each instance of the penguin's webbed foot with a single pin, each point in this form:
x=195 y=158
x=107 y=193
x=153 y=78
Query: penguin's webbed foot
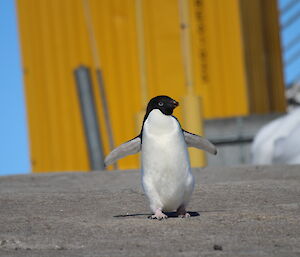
x=182 y=213
x=159 y=215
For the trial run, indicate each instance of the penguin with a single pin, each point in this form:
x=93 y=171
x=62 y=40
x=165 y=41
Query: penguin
x=167 y=179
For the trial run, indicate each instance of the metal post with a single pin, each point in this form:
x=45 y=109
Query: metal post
x=109 y=131
x=89 y=117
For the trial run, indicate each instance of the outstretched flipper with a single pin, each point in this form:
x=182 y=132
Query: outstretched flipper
x=132 y=146
x=196 y=141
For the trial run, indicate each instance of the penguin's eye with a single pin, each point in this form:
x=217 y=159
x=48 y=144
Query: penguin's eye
x=160 y=103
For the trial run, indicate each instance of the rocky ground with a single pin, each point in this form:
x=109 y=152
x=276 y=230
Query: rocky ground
x=236 y=211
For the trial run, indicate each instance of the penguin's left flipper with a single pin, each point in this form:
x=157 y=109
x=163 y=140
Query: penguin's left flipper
x=196 y=141
x=132 y=146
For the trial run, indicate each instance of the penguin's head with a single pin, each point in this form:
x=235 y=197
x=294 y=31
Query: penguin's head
x=162 y=102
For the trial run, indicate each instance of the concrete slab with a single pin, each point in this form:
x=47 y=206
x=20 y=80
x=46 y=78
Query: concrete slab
x=234 y=129
x=236 y=211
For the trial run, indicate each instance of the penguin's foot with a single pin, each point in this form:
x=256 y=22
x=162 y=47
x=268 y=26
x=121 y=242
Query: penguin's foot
x=182 y=213
x=159 y=215
x=187 y=215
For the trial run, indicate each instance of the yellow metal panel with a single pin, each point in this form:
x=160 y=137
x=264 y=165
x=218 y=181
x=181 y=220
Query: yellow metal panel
x=273 y=52
x=30 y=99
x=56 y=134
x=255 y=55
x=114 y=23
x=219 y=63
x=262 y=55
x=164 y=61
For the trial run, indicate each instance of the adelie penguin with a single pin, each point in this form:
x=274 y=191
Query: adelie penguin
x=167 y=178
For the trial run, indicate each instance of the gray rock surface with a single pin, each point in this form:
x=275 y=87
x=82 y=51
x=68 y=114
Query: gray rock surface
x=236 y=211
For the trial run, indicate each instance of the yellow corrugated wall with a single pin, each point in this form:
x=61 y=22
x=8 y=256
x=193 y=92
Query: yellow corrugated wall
x=219 y=60
x=55 y=40
x=262 y=54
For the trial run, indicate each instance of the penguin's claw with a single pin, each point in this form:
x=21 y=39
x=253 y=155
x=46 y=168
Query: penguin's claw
x=159 y=215
x=187 y=215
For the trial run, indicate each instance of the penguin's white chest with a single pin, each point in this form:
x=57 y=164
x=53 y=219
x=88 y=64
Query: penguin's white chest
x=166 y=172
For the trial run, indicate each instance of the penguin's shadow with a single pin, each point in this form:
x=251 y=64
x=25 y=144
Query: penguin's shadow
x=169 y=214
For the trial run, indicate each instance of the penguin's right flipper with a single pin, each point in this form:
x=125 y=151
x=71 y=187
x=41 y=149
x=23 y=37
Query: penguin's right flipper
x=193 y=140
x=132 y=146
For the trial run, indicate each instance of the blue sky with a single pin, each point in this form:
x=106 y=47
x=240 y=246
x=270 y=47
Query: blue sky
x=14 y=149
x=14 y=145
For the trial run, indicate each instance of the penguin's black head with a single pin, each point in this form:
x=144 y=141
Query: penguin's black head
x=162 y=102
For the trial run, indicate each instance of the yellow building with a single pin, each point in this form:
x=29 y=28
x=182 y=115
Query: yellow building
x=235 y=57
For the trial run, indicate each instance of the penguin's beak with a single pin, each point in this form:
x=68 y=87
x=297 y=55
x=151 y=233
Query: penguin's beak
x=175 y=103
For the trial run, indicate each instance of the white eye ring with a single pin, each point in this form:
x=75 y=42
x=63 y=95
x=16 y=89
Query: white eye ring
x=160 y=103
